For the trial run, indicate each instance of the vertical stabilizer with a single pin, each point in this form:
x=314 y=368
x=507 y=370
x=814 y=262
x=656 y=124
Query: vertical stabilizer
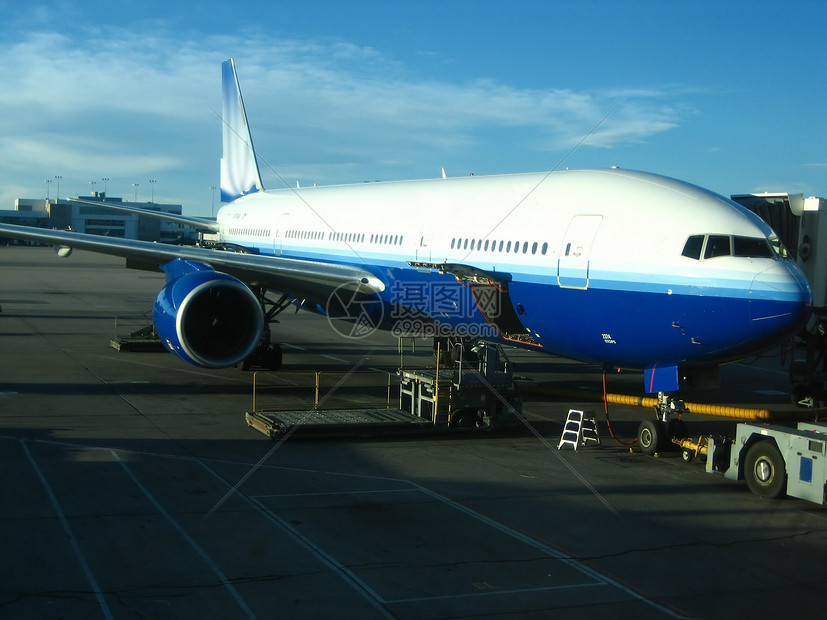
x=239 y=169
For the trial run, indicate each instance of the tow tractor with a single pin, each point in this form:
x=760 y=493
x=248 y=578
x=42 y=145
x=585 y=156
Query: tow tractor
x=774 y=460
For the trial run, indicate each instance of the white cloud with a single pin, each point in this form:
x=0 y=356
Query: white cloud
x=58 y=153
x=122 y=103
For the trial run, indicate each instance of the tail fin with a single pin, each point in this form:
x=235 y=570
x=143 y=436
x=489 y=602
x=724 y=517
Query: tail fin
x=239 y=169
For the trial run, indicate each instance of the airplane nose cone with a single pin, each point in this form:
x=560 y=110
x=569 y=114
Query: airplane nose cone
x=780 y=297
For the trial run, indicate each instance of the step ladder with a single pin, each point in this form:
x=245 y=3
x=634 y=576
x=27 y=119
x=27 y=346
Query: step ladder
x=580 y=429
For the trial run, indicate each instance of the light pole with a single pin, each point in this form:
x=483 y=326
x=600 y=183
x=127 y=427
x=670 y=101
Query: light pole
x=152 y=183
x=212 y=202
x=57 y=193
x=135 y=185
x=105 y=181
x=92 y=187
x=48 y=186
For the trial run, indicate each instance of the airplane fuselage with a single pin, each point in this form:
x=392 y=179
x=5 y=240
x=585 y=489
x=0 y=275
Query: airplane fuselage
x=621 y=268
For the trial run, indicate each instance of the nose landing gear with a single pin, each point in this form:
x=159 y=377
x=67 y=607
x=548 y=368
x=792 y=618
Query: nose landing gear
x=656 y=435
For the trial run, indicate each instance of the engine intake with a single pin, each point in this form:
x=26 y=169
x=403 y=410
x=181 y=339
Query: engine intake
x=206 y=317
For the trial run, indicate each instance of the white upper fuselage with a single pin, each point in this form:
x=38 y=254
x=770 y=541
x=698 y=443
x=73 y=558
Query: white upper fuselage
x=644 y=223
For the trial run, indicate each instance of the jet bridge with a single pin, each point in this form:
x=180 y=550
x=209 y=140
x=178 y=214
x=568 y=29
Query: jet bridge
x=801 y=225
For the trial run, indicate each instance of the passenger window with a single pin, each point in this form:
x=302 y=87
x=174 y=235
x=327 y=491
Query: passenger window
x=534 y=248
x=717 y=245
x=750 y=247
x=693 y=246
x=545 y=247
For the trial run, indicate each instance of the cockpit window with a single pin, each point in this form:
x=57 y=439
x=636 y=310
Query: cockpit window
x=693 y=247
x=778 y=248
x=713 y=246
x=751 y=247
x=717 y=245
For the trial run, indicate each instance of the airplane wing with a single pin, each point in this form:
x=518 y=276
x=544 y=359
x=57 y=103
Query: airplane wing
x=196 y=222
x=299 y=278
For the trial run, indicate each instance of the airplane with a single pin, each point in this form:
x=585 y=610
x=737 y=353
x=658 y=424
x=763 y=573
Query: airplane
x=620 y=268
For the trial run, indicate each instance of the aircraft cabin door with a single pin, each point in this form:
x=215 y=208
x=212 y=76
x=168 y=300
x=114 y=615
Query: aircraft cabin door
x=423 y=248
x=278 y=233
x=575 y=253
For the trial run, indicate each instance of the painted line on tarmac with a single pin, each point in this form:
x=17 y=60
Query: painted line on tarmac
x=320 y=554
x=333 y=357
x=222 y=578
x=64 y=522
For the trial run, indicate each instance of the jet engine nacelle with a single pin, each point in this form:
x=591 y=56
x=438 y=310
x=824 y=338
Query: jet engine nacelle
x=206 y=317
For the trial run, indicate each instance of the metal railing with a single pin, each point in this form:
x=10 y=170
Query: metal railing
x=317 y=381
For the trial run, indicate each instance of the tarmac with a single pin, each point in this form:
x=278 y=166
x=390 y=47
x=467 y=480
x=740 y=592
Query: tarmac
x=132 y=487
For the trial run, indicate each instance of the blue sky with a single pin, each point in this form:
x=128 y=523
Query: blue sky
x=727 y=95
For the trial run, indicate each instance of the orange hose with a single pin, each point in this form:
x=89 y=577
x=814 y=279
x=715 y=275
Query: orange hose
x=717 y=410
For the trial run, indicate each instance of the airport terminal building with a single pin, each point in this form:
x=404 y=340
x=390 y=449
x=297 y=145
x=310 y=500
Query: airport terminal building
x=64 y=215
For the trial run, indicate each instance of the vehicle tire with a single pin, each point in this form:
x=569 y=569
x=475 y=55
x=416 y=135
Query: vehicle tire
x=687 y=455
x=649 y=436
x=765 y=471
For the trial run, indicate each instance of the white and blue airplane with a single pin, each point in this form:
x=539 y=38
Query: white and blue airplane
x=620 y=268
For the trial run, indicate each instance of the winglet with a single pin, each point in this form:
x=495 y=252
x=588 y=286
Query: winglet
x=239 y=169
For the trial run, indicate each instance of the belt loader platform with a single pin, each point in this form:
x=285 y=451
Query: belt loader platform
x=475 y=390
x=338 y=422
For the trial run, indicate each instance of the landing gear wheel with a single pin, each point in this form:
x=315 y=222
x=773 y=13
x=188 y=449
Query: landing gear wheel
x=764 y=470
x=266 y=357
x=650 y=436
x=273 y=357
x=466 y=418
